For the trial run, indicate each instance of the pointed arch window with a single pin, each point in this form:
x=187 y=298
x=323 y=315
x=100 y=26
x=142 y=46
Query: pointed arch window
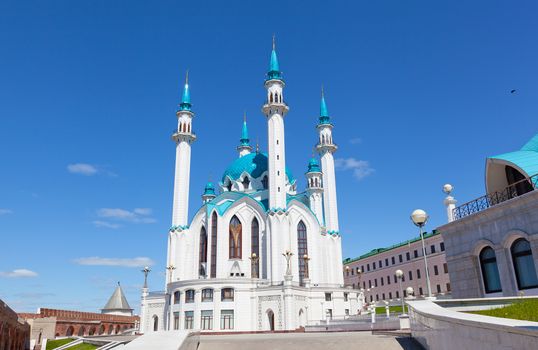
x=214 y=245
x=265 y=182
x=246 y=182
x=255 y=245
x=236 y=236
x=523 y=264
x=229 y=185
x=302 y=249
x=490 y=271
x=203 y=251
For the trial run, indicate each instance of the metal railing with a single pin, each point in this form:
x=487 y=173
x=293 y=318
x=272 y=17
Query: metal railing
x=491 y=199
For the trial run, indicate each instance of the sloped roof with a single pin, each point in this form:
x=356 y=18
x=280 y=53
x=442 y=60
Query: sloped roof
x=117 y=301
x=526 y=158
x=254 y=164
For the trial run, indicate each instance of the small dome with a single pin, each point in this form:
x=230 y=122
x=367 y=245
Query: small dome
x=313 y=166
x=255 y=164
x=209 y=189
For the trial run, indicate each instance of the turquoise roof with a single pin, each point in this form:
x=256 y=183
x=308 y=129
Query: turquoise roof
x=244 y=135
x=274 y=69
x=185 y=104
x=526 y=158
x=323 y=111
x=313 y=166
x=209 y=189
x=254 y=164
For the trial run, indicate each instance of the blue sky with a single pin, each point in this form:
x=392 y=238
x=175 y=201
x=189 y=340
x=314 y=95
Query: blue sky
x=419 y=93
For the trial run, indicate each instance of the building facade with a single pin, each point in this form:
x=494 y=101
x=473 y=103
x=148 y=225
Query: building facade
x=492 y=244
x=258 y=255
x=374 y=272
x=14 y=331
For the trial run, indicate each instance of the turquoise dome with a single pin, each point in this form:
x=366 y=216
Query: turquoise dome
x=209 y=189
x=313 y=166
x=254 y=164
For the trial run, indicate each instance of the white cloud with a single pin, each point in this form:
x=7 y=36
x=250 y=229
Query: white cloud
x=18 y=273
x=355 y=141
x=138 y=215
x=82 y=169
x=124 y=262
x=106 y=224
x=4 y=211
x=360 y=168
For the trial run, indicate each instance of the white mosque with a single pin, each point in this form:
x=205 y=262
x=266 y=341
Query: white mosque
x=259 y=255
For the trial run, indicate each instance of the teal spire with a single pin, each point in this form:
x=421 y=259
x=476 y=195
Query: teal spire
x=313 y=166
x=245 y=141
x=274 y=69
x=323 y=111
x=185 y=104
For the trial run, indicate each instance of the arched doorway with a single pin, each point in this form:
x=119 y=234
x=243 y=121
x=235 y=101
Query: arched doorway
x=270 y=320
x=118 y=329
x=102 y=329
x=70 y=331
x=92 y=331
x=155 y=323
x=110 y=329
x=81 y=331
x=302 y=318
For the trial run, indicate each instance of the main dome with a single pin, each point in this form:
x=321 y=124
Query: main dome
x=255 y=164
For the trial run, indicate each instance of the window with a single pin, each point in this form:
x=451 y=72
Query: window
x=418 y=273
x=393 y=261
x=235 y=238
x=395 y=280
x=490 y=272
x=371 y=298
x=380 y=265
x=523 y=264
x=415 y=253
x=206 y=319
x=227 y=294
x=445 y=268
x=369 y=283
x=382 y=283
x=246 y=182
x=448 y=287
x=383 y=296
x=387 y=262
x=435 y=270
x=265 y=182
x=442 y=246
x=203 y=251
x=189 y=319
x=229 y=186
x=176 y=321
x=364 y=284
x=397 y=294
x=176 y=297
x=255 y=246
x=207 y=294
x=438 y=288
x=420 y=291
x=346 y=312
x=302 y=247
x=432 y=248
x=407 y=256
x=227 y=319
x=390 y=295
x=330 y=314
x=377 y=297
x=375 y=282
x=328 y=296
x=214 y=245
x=368 y=267
x=400 y=258
x=410 y=275
x=189 y=296
x=388 y=279
x=346 y=297
x=352 y=272
x=373 y=267
x=362 y=268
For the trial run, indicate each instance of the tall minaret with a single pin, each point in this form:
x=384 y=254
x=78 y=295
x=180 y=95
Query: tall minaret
x=326 y=148
x=244 y=147
x=183 y=138
x=314 y=189
x=275 y=109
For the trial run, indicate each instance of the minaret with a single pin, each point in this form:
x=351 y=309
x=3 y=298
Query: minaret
x=314 y=189
x=183 y=137
x=209 y=193
x=244 y=143
x=326 y=148
x=275 y=109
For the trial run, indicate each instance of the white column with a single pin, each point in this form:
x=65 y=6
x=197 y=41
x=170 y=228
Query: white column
x=181 y=182
x=330 y=204
x=450 y=204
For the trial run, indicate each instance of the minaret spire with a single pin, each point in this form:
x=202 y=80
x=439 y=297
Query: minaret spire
x=244 y=147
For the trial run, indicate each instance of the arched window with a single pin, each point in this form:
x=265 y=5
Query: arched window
x=270 y=97
x=255 y=246
x=203 y=251
x=302 y=249
x=155 y=323
x=236 y=236
x=81 y=331
x=490 y=272
x=176 y=297
x=214 y=245
x=246 y=182
x=524 y=264
x=265 y=182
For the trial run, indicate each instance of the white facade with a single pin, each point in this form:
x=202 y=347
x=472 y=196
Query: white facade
x=258 y=256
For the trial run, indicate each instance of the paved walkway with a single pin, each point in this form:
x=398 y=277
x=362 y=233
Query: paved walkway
x=306 y=341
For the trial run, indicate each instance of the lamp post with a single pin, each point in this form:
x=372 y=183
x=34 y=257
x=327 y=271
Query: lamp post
x=409 y=291
x=399 y=275
x=419 y=218
x=359 y=273
x=146 y=270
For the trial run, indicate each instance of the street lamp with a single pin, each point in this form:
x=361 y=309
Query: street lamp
x=399 y=275
x=419 y=218
x=306 y=259
x=146 y=270
x=359 y=273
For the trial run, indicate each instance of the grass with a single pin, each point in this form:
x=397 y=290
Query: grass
x=392 y=309
x=83 y=346
x=521 y=310
x=53 y=344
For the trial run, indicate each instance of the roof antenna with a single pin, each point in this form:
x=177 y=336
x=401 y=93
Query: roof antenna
x=187 y=78
x=274 y=45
